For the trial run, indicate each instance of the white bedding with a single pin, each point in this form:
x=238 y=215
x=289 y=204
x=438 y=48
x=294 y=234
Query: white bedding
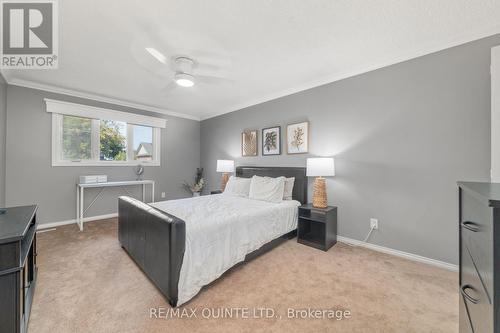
x=221 y=230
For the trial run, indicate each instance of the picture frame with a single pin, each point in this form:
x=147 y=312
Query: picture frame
x=249 y=143
x=271 y=141
x=297 y=138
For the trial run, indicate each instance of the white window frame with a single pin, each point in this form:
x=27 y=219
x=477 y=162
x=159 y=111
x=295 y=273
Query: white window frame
x=60 y=109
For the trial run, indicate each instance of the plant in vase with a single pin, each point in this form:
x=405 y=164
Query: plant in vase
x=198 y=185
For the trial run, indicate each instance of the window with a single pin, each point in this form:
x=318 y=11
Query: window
x=142 y=143
x=83 y=135
x=76 y=138
x=113 y=140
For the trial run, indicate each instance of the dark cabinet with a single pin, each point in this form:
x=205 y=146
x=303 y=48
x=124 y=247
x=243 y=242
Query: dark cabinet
x=18 y=268
x=317 y=227
x=479 y=238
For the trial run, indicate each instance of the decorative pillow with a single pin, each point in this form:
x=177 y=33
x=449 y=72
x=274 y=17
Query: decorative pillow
x=238 y=186
x=288 y=192
x=267 y=188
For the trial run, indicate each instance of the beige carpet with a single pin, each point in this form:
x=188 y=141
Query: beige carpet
x=87 y=283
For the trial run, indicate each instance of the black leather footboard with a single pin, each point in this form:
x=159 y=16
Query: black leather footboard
x=155 y=240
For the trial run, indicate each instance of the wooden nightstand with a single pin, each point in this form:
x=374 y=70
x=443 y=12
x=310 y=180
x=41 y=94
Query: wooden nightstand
x=216 y=192
x=317 y=226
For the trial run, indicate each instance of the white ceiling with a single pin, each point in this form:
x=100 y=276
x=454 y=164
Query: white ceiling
x=265 y=48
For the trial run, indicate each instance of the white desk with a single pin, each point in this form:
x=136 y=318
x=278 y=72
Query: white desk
x=80 y=192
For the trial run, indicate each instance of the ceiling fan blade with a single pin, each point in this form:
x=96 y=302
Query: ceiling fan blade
x=167 y=44
x=214 y=80
x=147 y=62
x=219 y=59
x=170 y=87
x=212 y=71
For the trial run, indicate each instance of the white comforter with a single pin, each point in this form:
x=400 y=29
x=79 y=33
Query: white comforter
x=221 y=230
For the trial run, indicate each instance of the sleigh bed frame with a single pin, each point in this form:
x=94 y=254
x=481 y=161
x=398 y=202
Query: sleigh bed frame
x=155 y=240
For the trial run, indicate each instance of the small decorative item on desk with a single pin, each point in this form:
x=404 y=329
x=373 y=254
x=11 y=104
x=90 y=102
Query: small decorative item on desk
x=226 y=167
x=139 y=171
x=93 y=179
x=198 y=185
x=319 y=167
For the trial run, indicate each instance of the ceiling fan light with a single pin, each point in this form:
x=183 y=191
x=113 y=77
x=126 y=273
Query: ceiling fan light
x=184 y=80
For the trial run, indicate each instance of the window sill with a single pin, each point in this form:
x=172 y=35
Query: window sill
x=105 y=164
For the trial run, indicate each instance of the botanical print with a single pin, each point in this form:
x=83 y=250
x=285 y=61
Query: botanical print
x=271 y=141
x=298 y=138
x=249 y=143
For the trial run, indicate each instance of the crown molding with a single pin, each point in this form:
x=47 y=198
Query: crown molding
x=95 y=97
x=413 y=54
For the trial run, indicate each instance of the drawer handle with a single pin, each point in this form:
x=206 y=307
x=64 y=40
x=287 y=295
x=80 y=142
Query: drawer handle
x=470 y=226
x=466 y=295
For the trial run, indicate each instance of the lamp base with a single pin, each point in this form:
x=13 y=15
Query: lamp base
x=319 y=194
x=224 y=180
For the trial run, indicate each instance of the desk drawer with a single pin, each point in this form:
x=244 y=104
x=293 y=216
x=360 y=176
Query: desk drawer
x=477 y=234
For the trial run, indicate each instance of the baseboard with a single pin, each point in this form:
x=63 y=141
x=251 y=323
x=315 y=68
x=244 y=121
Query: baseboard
x=398 y=253
x=42 y=226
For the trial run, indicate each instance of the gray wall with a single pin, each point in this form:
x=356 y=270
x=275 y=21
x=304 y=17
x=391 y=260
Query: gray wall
x=3 y=113
x=401 y=136
x=31 y=178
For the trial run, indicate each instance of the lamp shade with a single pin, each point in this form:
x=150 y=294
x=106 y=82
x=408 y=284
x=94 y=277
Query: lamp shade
x=320 y=167
x=225 y=166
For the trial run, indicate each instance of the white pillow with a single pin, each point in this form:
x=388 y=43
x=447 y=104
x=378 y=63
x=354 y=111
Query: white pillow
x=287 y=194
x=238 y=186
x=267 y=188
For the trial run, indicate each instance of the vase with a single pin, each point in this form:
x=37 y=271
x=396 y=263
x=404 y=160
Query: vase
x=196 y=194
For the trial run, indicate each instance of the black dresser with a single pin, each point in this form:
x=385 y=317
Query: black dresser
x=479 y=280
x=17 y=267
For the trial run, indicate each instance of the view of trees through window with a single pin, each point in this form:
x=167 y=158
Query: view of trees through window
x=76 y=138
x=113 y=140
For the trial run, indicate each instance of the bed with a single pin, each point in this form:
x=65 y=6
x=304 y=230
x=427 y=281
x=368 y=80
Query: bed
x=183 y=245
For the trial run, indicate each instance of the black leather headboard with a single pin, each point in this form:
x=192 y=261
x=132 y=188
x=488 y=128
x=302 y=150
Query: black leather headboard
x=299 y=187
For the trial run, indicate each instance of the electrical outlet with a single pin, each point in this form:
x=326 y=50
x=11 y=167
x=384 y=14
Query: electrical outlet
x=373 y=223
x=163 y=195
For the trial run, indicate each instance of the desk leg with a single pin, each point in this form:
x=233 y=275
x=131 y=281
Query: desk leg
x=80 y=222
x=78 y=206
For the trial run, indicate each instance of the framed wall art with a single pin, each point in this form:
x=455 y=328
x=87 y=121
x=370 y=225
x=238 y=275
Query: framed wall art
x=249 y=143
x=297 y=138
x=271 y=141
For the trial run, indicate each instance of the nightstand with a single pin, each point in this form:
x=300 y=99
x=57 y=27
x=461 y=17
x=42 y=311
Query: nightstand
x=216 y=192
x=317 y=226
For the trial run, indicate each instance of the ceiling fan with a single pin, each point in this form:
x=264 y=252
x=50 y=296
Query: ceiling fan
x=183 y=71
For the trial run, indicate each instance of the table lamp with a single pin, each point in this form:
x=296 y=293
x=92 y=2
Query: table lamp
x=226 y=167
x=319 y=168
